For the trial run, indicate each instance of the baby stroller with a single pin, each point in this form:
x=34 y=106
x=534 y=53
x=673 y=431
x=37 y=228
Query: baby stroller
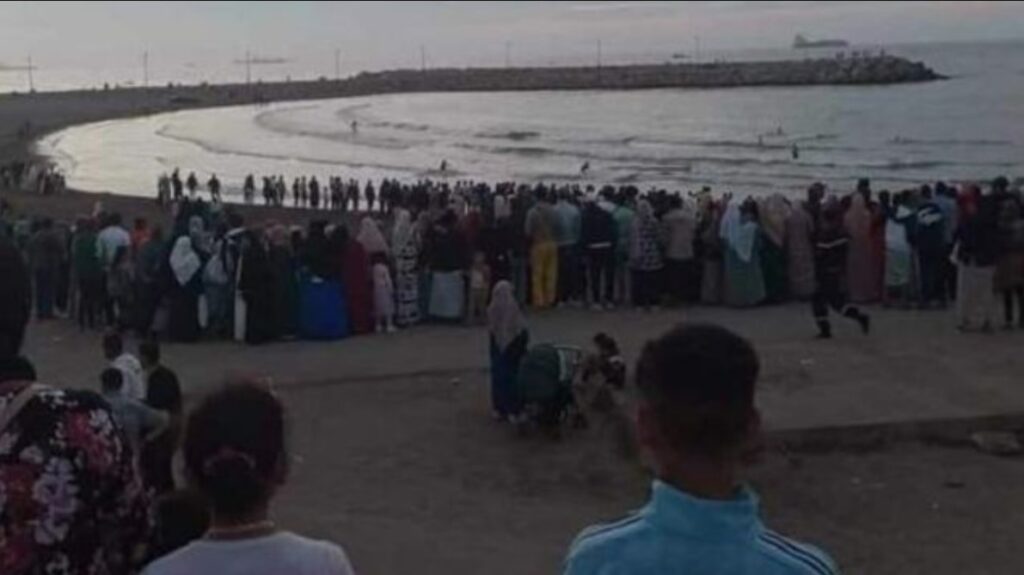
x=546 y=386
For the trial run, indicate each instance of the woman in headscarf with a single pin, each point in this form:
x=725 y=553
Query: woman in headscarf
x=509 y=338
x=449 y=259
x=356 y=281
x=201 y=240
x=185 y=285
x=774 y=212
x=405 y=245
x=645 y=258
x=284 y=273
x=898 y=253
x=72 y=497
x=711 y=251
x=860 y=265
x=744 y=280
x=372 y=239
x=800 y=252
x=256 y=284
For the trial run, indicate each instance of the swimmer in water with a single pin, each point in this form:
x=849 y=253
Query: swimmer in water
x=444 y=166
x=584 y=168
x=760 y=141
x=796 y=152
x=355 y=127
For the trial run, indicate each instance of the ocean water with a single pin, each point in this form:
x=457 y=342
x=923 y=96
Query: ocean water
x=970 y=127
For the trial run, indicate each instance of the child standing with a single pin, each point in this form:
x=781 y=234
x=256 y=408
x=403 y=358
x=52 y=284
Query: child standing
x=383 y=297
x=479 y=286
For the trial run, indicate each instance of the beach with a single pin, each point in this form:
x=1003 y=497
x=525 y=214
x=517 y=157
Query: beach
x=395 y=448
x=868 y=438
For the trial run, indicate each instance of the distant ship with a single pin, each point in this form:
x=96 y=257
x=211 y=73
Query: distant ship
x=801 y=42
x=262 y=60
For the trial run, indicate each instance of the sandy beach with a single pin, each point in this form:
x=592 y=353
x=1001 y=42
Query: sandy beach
x=397 y=459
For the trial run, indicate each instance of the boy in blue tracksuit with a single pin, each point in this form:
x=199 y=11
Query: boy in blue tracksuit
x=696 y=417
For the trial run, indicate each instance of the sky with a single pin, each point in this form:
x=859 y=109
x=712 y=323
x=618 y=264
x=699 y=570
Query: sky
x=182 y=36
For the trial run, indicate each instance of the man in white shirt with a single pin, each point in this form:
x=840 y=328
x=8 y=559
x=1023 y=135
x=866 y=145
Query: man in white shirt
x=112 y=237
x=134 y=382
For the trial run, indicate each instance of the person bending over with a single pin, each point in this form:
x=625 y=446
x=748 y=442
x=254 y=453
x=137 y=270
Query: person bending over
x=696 y=418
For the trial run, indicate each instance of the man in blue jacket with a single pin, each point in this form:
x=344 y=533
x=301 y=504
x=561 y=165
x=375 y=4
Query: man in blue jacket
x=696 y=418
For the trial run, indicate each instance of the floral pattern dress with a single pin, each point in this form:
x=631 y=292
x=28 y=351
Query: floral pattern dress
x=407 y=281
x=70 y=497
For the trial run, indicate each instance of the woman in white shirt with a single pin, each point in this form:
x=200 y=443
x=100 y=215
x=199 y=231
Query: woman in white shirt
x=235 y=455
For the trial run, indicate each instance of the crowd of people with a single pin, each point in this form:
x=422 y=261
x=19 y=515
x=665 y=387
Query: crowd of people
x=430 y=251
x=82 y=474
x=32 y=177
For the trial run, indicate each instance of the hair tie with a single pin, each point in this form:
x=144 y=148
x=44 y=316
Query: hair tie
x=226 y=453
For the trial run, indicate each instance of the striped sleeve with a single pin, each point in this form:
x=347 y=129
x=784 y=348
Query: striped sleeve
x=805 y=559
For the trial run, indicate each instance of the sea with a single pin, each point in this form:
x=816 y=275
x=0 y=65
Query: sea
x=759 y=140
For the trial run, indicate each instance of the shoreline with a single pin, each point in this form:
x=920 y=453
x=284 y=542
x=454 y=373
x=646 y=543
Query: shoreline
x=27 y=118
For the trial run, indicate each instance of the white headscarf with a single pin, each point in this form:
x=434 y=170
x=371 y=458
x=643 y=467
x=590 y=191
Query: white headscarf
x=504 y=318
x=403 y=230
x=736 y=233
x=774 y=211
x=184 y=261
x=371 y=238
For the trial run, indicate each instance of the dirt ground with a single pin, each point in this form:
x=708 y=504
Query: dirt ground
x=411 y=476
x=396 y=458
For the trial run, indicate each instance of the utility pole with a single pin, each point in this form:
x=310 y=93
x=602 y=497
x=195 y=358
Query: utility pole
x=696 y=49
x=31 y=84
x=337 y=64
x=508 y=54
x=598 y=53
x=423 y=58
x=248 y=67
x=145 y=69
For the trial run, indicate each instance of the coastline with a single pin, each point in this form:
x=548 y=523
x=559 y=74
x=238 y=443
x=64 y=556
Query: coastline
x=25 y=118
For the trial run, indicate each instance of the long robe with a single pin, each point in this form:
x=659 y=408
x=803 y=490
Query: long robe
x=504 y=373
x=257 y=287
x=358 y=287
x=744 y=280
x=286 y=291
x=773 y=268
x=860 y=266
x=800 y=253
x=407 y=281
x=183 y=319
x=183 y=305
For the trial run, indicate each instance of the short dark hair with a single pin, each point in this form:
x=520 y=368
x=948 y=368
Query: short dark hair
x=234 y=442
x=149 y=351
x=112 y=379
x=699 y=379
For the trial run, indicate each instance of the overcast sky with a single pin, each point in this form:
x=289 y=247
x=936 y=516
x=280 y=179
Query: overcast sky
x=374 y=35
